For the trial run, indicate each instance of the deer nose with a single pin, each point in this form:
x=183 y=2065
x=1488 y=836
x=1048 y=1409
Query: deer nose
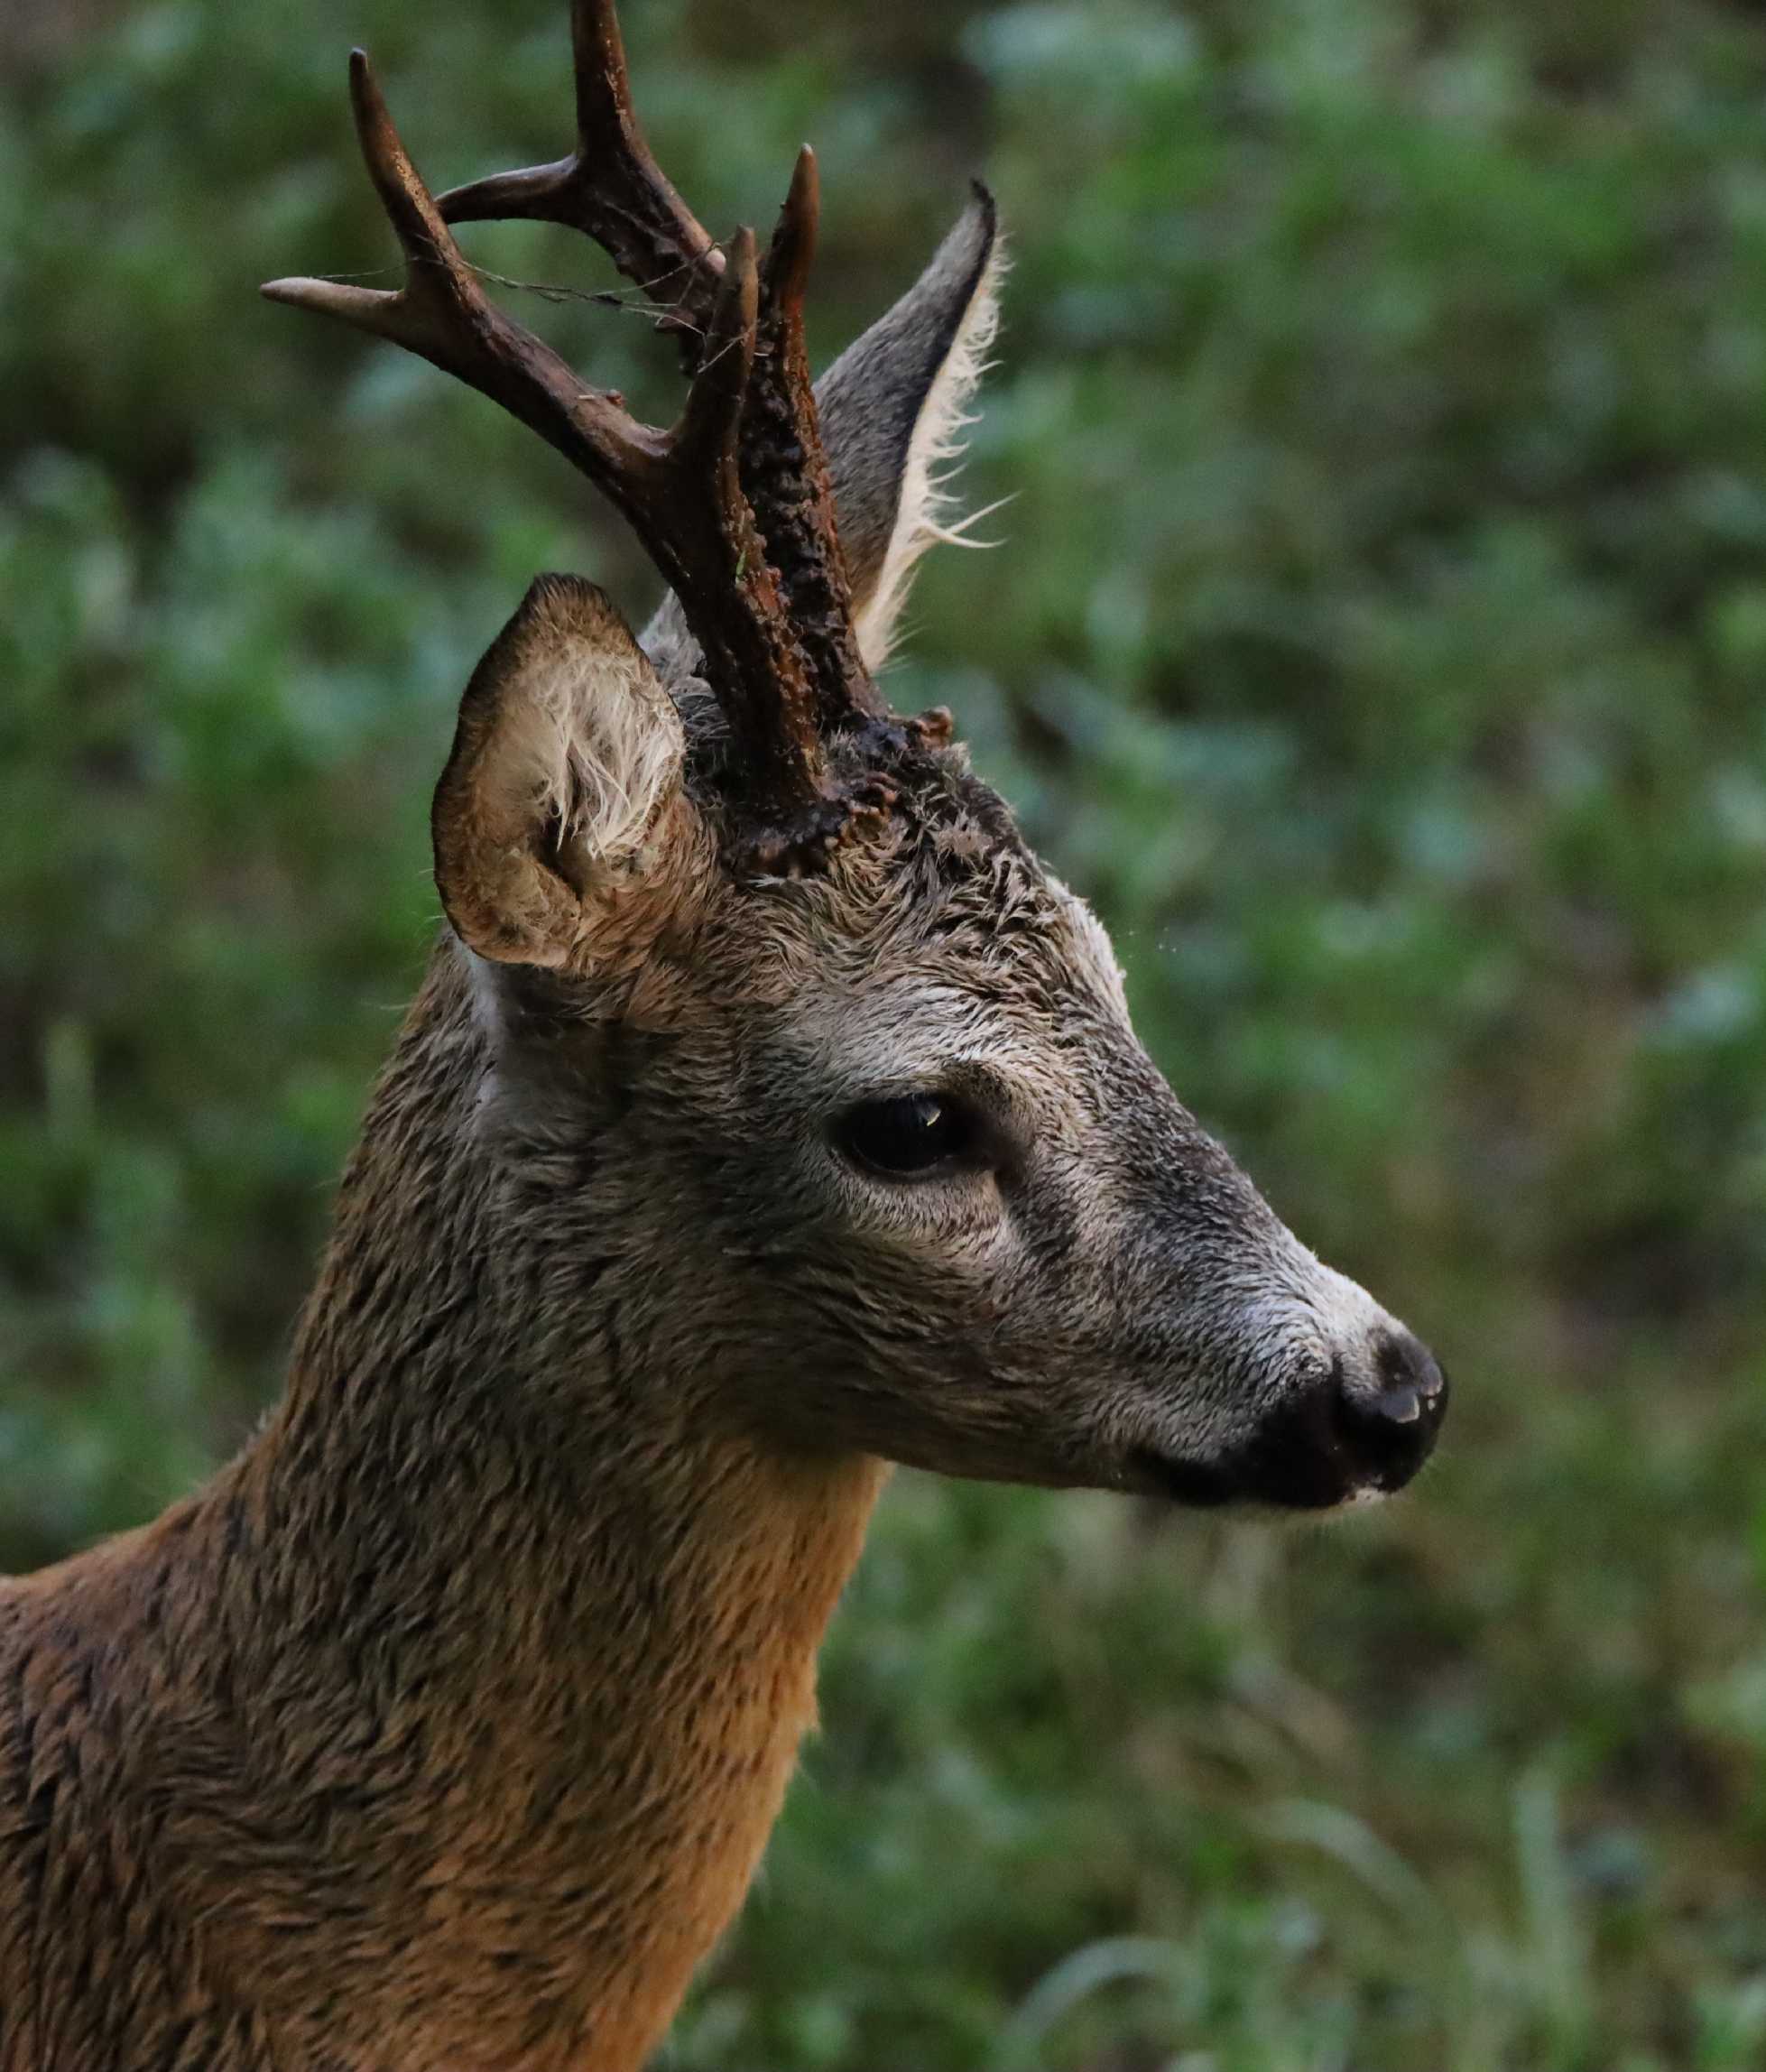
x=1391 y=1430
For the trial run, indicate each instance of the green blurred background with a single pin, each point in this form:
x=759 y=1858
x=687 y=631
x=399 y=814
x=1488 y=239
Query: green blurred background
x=1380 y=641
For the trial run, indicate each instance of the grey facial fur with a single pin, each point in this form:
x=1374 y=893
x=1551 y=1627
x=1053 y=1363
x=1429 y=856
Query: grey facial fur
x=1099 y=1295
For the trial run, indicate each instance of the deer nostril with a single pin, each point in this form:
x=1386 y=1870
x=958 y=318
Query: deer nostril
x=1430 y=1381
x=1403 y=1405
x=1406 y=1368
x=1389 y=1428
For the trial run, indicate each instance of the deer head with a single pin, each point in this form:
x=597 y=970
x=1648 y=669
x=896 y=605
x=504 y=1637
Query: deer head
x=858 y=1070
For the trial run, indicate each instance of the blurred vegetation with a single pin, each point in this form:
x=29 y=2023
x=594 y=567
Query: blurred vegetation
x=1380 y=641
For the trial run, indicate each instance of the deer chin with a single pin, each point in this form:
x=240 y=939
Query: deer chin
x=1331 y=1445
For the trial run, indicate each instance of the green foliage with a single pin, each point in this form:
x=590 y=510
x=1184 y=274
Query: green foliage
x=1380 y=641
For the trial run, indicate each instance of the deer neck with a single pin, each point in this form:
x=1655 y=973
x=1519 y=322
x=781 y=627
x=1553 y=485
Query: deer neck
x=529 y=1634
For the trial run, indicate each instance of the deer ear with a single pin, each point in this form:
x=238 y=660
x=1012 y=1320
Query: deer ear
x=894 y=408
x=562 y=803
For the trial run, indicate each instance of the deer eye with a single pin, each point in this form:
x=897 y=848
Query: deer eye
x=910 y=1137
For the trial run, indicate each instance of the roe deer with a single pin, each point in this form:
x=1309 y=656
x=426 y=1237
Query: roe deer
x=768 y=1113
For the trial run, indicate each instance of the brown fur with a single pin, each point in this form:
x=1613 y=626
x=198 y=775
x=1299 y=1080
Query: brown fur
x=429 y=1734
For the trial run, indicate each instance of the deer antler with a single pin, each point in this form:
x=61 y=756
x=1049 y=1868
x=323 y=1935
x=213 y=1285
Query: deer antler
x=785 y=475
x=733 y=504
x=610 y=187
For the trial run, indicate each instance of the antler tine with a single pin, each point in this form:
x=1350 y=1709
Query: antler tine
x=442 y=313
x=610 y=187
x=718 y=566
x=785 y=471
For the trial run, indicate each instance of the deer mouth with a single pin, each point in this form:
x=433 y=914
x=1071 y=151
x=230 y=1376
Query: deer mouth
x=1333 y=1444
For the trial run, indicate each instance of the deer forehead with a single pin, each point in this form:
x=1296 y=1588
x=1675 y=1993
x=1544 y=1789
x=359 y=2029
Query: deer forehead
x=1036 y=1001
x=959 y=901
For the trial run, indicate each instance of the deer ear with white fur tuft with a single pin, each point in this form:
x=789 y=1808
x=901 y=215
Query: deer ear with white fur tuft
x=560 y=812
x=892 y=410
x=895 y=407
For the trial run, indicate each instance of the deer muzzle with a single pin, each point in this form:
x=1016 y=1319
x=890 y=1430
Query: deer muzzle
x=1353 y=1420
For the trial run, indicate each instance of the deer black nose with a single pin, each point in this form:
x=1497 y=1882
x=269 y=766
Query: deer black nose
x=1391 y=1429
